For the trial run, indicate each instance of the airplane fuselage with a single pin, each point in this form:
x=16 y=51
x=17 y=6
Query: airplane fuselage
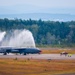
x=24 y=51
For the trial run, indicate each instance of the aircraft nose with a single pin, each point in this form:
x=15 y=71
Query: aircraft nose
x=40 y=52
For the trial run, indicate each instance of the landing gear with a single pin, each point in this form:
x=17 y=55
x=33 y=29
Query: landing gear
x=24 y=53
x=5 y=53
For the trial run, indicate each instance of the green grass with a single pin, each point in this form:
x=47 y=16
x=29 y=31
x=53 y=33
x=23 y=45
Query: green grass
x=57 y=45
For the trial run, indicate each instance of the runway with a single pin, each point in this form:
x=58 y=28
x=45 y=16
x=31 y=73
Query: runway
x=38 y=56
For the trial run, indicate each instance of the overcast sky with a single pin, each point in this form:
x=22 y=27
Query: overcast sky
x=37 y=6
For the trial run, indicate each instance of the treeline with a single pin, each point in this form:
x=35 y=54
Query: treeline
x=44 y=32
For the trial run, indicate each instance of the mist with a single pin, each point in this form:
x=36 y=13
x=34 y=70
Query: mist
x=17 y=38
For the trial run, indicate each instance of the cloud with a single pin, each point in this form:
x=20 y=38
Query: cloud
x=31 y=6
x=40 y=3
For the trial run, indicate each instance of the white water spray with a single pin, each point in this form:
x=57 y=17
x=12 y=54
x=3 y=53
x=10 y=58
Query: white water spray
x=2 y=34
x=19 y=38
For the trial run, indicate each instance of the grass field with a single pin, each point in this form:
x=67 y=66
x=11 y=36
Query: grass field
x=36 y=67
x=57 y=51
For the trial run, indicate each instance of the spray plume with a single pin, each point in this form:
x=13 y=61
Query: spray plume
x=17 y=38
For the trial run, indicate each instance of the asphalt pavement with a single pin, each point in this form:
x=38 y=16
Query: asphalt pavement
x=38 y=56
